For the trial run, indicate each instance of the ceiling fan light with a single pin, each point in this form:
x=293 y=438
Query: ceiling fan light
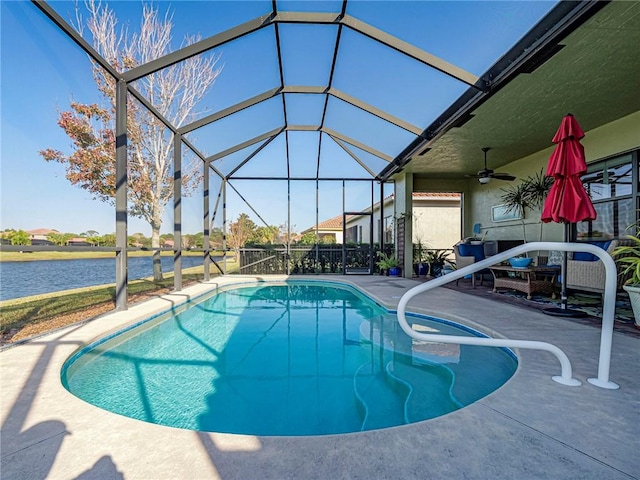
x=484 y=180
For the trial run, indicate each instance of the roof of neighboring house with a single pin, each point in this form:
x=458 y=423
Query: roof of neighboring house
x=427 y=196
x=435 y=195
x=42 y=231
x=77 y=240
x=333 y=225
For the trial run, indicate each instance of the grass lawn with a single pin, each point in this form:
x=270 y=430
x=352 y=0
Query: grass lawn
x=25 y=317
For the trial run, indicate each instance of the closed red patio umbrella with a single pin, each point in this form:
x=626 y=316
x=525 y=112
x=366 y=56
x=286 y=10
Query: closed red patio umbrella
x=567 y=201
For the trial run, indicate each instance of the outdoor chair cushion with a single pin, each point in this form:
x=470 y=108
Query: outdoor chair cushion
x=590 y=257
x=589 y=274
x=555 y=257
x=468 y=250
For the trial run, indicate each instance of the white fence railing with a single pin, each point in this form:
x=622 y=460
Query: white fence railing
x=565 y=377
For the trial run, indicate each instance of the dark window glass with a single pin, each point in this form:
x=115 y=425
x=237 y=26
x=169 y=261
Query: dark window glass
x=609 y=181
x=610 y=184
x=388 y=229
x=613 y=220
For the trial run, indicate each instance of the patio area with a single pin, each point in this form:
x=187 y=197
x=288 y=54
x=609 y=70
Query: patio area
x=532 y=427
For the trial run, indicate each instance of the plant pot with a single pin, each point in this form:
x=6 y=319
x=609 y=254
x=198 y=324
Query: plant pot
x=395 y=271
x=423 y=269
x=634 y=296
x=446 y=269
x=436 y=268
x=520 y=262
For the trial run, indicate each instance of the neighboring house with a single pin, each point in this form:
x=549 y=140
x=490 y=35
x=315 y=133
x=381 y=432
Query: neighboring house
x=78 y=242
x=39 y=236
x=329 y=228
x=436 y=219
x=167 y=244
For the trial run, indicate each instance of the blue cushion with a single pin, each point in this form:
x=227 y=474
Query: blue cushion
x=584 y=257
x=468 y=250
x=590 y=257
x=602 y=245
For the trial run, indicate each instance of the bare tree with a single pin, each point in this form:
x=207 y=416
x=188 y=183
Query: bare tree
x=174 y=91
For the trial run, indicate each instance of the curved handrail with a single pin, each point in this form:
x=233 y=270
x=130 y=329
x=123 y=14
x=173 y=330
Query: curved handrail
x=565 y=378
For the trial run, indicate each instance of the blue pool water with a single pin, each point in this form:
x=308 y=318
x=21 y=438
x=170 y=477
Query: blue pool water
x=298 y=358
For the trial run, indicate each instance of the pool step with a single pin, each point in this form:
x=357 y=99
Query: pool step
x=430 y=389
x=380 y=398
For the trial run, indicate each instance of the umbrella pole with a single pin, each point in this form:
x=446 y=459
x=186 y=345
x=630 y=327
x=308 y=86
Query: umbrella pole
x=564 y=310
x=563 y=272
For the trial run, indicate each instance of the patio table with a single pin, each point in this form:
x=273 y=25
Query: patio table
x=528 y=280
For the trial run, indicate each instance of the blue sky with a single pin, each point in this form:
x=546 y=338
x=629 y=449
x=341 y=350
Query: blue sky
x=42 y=71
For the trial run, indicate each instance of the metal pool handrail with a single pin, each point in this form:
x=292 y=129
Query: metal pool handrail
x=566 y=376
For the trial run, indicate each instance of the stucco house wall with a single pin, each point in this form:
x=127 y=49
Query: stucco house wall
x=435 y=219
x=436 y=223
x=608 y=140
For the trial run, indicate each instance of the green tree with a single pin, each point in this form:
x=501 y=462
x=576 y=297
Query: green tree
x=60 y=239
x=198 y=240
x=166 y=237
x=6 y=234
x=20 y=237
x=265 y=235
x=240 y=232
x=328 y=240
x=174 y=91
x=138 y=239
x=188 y=241
x=308 y=238
x=215 y=237
x=108 y=240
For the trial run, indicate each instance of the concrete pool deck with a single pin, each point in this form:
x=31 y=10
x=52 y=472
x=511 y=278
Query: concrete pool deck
x=532 y=427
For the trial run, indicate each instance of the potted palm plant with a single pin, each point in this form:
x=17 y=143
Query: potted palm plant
x=389 y=264
x=420 y=267
x=628 y=256
x=529 y=194
x=436 y=259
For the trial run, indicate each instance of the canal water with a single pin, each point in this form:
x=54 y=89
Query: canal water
x=22 y=279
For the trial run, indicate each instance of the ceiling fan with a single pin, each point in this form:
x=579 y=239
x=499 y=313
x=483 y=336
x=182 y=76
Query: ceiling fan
x=486 y=174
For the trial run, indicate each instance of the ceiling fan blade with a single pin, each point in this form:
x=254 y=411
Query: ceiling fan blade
x=486 y=174
x=503 y=176
x=483 y=175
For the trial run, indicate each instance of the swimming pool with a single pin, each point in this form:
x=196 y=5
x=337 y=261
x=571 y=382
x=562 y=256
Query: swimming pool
x=292 y=358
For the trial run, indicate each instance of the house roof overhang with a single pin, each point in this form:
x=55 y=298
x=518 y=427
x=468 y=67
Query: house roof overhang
x=581 y=59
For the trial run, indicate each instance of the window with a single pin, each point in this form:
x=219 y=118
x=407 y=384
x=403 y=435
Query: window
x=613 y=185
x=352 y=234
x=388 y=229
